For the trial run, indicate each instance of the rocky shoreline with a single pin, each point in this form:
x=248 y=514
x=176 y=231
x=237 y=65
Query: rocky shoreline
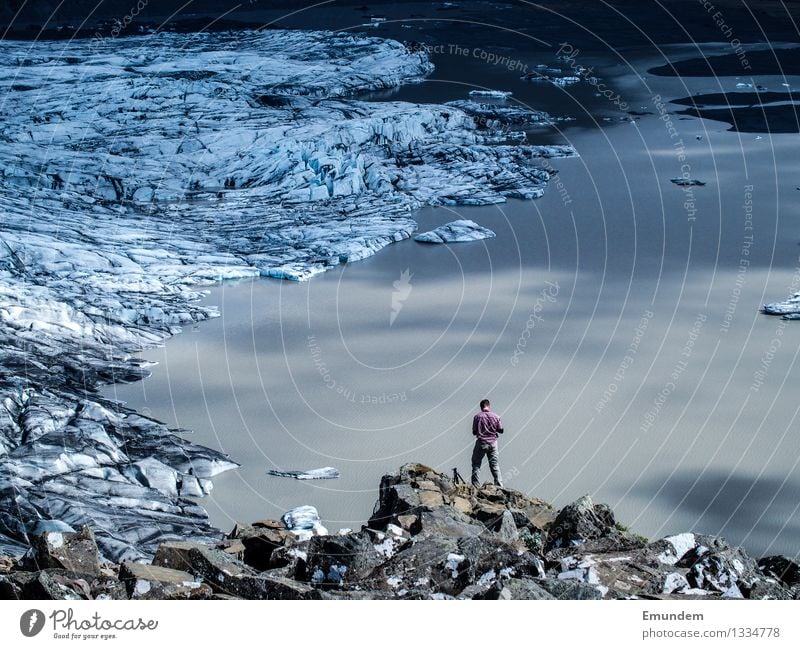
x=428 y=538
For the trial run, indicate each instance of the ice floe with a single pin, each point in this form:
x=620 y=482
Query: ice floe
x=325 y=473
x=455 y=231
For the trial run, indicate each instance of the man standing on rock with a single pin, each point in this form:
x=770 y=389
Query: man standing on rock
x=486 y=427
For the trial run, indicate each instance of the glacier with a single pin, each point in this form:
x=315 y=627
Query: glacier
x=135 y=171
x=454 y=232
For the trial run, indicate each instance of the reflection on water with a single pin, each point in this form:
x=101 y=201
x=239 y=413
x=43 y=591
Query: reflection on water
x=614 y=324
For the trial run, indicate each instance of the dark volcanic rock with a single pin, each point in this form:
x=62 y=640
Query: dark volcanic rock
x=429 y=538
x=144 y=581
x=74 y=551
x=259 y=541
x=334 y=560
x=784 y=570
x=580 y=522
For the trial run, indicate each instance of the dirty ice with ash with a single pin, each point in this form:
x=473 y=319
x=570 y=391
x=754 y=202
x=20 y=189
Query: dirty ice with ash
x=135 y=170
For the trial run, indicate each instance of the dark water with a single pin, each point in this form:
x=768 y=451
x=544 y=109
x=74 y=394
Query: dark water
x=614 y=323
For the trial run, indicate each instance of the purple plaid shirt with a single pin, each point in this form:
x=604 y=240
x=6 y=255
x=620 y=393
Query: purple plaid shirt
x=486 y=426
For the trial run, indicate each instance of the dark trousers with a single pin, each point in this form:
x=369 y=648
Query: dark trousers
x=478 y=452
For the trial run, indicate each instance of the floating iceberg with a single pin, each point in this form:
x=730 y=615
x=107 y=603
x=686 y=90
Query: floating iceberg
x=687 y=182
x=304 y=522
x=455 y=231
x=493 y=94
x=325 y=473
x=789 y=308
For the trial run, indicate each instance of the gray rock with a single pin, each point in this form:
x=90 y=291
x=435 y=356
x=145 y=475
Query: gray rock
x=259 y=544
x=508 y=532
x=340 y=559
x=72 y=551
x=144 y=581
x=569 y=589
x=579 y=522
x=781 y=568
x=522 y=589
x=56 y=585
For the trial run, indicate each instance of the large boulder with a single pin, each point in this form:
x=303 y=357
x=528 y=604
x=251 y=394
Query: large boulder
x=786 y=571
x=72 y=551
x=227 y=575
x=579 y=522
x=336 y=560
x=258 y=542
x=416 y=497
x=144 y=581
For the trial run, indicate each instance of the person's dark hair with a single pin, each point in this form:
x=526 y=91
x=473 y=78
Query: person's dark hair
x=485 y=403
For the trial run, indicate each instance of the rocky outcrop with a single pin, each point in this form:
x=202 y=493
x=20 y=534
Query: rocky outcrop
x=428 y=538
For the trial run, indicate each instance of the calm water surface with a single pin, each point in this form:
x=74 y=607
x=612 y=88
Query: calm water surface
x=613 y=324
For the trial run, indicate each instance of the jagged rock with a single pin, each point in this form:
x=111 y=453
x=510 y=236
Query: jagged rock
x=260 y=542
x=232 y=547
x=292 y=559
x=781 y=568
x=361 y=595
x=108 y=588
x=521 y=589
x=269 y=523
x=216 y=568
x=10 y=588
x=448 y=522
x=770 y=589
x=579 y=522
x=73 y=551
x=508 y=529
x=144 y=581
x=714 y=565
x=56 y=584
x=428 y=563
x=569 y=589
x=278 y=586
x=334 y=560
x=434 y=540
x=672 y=549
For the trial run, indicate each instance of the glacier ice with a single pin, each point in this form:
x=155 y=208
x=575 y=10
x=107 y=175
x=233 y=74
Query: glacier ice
x=136 y=170
x=324 y=473
x=304 y=522
x=455 y=231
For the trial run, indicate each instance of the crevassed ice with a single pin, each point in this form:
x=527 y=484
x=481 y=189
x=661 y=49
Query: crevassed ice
x=133 y=171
